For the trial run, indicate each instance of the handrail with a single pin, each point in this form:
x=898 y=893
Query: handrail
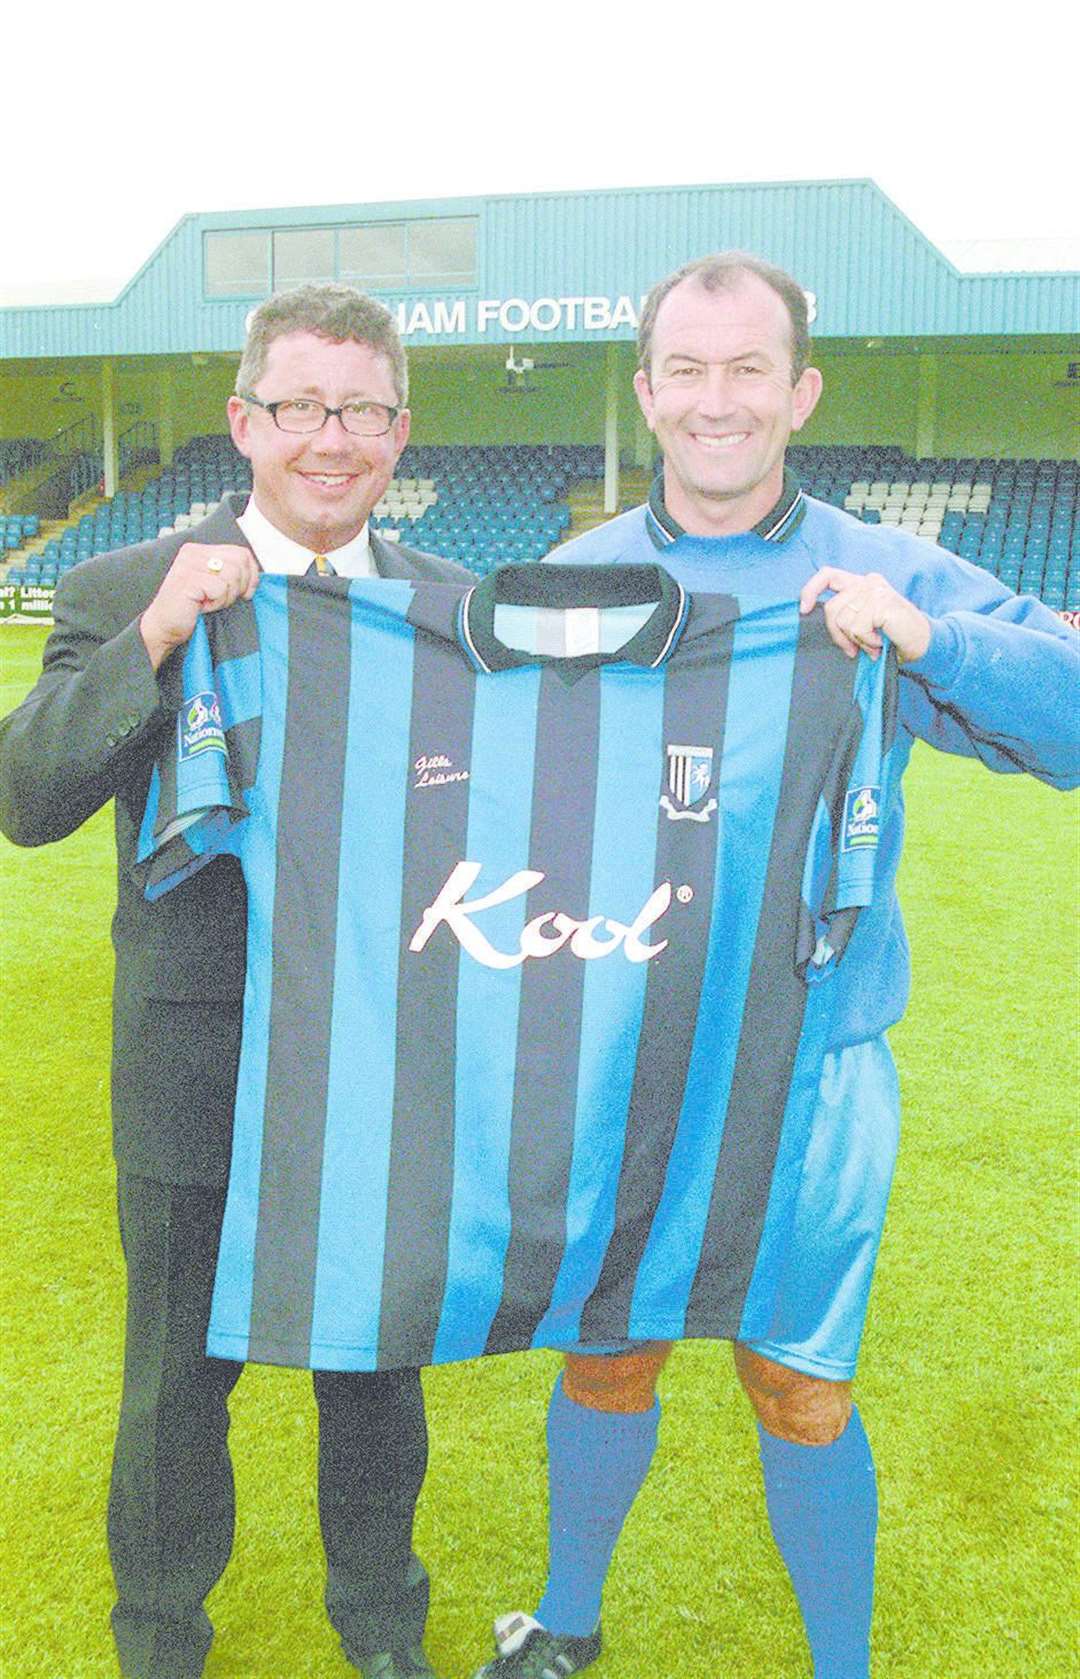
x=74 y=475
x=137 y=445
x=73 y=439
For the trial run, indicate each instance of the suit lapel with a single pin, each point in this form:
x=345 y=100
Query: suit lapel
x=389 y=561
x=220 y=525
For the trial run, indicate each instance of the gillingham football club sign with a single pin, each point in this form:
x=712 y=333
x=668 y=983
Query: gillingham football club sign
x=523 y=317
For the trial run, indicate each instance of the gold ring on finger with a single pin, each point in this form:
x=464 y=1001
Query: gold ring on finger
x=215 y=563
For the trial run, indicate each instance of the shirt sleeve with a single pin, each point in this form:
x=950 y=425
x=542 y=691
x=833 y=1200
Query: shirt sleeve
x=195 y=801
x=839 y=874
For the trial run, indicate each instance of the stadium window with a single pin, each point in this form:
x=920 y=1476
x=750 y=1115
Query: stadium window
x=237 y=264
x=397 y=256
x=374 y=256
x=443 y=253
x=379 y=256
x=303 y=255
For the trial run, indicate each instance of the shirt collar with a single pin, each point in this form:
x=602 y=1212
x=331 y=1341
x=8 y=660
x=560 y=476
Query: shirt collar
x=780 y=523
x=278 y=553
x=571 y=586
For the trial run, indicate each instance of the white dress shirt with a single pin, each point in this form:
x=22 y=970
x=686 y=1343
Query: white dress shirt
x=281 y=555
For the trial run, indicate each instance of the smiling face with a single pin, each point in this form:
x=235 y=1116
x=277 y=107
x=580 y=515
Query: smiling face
x=319 y=488
x=719 y=399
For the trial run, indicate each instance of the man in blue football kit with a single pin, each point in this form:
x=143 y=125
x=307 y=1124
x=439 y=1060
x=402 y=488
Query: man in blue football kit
x=724 y=379
x=320 y=413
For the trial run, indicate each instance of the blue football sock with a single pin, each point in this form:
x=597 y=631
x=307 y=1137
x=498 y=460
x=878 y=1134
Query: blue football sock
x=597 y=1460
x=822 y=1503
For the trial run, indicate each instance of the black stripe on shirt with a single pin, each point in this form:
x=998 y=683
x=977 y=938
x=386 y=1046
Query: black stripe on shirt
x=421 y=1171
x=549 y=1028
x=302 y=984
x=821 y=701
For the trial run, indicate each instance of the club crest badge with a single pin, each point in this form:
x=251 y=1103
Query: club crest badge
x=689 y=775
x=861 y=818
x=200 y=726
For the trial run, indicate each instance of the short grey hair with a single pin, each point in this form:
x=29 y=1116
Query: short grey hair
x=339 y=313
x=722 y=272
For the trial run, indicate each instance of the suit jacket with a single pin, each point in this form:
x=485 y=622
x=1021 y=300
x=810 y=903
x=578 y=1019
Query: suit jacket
x=90 y=730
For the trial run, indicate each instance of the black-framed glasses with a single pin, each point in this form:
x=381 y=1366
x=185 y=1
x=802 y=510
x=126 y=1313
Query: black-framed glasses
x=304 y=414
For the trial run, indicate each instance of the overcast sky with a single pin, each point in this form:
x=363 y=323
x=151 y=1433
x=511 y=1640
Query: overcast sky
x=119 y=120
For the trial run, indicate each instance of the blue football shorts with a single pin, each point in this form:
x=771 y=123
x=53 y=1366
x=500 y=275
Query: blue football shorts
x=819 y=1307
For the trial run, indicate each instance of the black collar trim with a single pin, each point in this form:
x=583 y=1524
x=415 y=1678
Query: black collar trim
x=570 y=586
x=780 y=523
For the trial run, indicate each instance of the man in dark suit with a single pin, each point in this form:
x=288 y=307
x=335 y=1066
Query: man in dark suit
x=320 y=413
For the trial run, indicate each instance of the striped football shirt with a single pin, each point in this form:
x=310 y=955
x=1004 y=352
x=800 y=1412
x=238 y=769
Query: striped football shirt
x=533 y=1025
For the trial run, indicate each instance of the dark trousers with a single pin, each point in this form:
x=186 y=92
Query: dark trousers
x=171 y=1501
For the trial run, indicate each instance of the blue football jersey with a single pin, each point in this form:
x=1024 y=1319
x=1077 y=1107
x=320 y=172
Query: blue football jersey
x=534 y=1019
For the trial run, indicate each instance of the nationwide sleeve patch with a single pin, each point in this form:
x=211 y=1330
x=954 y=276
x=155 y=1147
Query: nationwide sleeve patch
x=862 y=819
x=200 y=727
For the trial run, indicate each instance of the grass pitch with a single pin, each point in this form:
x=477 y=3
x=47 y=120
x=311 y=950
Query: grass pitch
x=965 y=1381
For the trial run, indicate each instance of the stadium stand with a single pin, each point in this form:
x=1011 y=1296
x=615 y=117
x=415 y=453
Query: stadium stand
x=1019 y=519
x=484 y=505
x=19 y=455
x=17 y=529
